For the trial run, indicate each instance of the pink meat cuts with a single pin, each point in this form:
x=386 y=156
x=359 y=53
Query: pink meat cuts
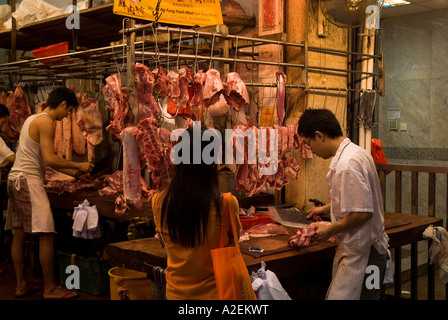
x=147 y=105
x=196 y=98
x=58 y=140
x=173 y=85
x=236 y=92
x=121 y=207
x=162 y=81
x=64 y=183
x=213 y=87
x=267 y=230
x=78 y=139
x=67 y=144
x=156 y=148
x=303 y=237
x=117 y=100
x=220 y=108
x=249 y=176
x=280 y=97
x=131 y=169
x=90 y=120
x=19 y=110
x=114 y=184
x=185 y=77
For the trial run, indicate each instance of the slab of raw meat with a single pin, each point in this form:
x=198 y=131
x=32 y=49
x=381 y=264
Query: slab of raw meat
x=117 y=101
x=280 y=97
x=131 y=169
x=19 y=110
x=185 y=77
x=156 y=149
x=213 y=87
x=236 y=92
x=147 y=105
x=90 y=120
x=267 y=230
x=78 y=139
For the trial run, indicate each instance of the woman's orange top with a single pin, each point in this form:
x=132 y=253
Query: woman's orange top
x=189 y=272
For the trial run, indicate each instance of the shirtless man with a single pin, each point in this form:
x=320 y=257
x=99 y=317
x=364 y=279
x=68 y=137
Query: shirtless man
x=29 y=209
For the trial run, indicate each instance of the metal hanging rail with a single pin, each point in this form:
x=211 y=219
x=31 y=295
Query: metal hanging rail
x=96 y=62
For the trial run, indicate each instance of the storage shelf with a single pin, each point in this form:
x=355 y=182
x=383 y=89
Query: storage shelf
x=99 y=26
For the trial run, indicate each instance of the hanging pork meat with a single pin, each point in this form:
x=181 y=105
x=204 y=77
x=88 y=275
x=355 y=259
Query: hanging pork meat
x=162 y=81
x=147 y=105
x=196 y=98
x=131 y=169
x=156 y=145
x=58 y=140
x=185 y=77
x=90 y=120
x=213 y=87
x=173 y=85
x=19 y=110
x=248 y=174
x=236 y=92
x=280 y=97
x=117 y=101
x=78 y=139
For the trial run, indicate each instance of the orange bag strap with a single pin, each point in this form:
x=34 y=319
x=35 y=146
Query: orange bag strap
x=228 y=212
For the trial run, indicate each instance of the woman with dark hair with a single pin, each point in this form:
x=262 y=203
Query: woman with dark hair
x=187 y=215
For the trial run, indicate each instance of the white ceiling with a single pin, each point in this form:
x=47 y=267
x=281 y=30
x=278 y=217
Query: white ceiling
x=416 y=6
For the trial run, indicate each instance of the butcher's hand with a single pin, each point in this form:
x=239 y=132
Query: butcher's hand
x=85 y=166
x=313 y=213
x=323 y=232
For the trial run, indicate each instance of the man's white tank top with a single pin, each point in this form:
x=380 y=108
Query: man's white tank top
x=29 y=156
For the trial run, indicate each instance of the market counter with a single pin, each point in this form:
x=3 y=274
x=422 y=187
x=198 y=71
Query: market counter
x=401 y=228
x=106 y=204
x=144 y=254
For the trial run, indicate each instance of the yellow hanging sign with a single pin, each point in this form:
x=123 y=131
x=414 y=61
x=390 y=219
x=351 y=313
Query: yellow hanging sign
x=180 y=12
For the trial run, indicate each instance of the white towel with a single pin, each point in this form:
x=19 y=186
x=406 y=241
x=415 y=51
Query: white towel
x=438 y=252
x=85 y=221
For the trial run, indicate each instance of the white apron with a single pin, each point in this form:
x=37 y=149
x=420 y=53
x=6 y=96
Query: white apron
x=41 y=215
x=349 y=269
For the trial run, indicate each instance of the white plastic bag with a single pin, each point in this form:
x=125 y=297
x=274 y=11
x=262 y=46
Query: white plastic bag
x=29 y=11
x=267 y=286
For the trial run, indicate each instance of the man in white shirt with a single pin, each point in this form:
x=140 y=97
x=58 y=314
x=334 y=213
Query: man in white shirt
x=29 y=210
x=356 y=209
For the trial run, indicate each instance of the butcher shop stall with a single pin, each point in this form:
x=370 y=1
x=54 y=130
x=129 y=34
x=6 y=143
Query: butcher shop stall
x=142 y=70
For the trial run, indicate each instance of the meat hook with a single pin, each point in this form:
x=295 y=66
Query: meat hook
x=196 y=54
x=211 y=54
x=236 y=51
x=178 y=50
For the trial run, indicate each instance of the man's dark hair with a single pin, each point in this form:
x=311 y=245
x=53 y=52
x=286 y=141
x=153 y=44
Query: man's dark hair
x=4 y=112
x=59 y=95
x=322 y=120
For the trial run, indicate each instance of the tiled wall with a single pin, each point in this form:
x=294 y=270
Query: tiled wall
x=416 y=64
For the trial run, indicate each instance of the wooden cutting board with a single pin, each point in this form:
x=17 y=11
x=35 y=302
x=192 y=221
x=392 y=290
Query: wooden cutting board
x=271 y=245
